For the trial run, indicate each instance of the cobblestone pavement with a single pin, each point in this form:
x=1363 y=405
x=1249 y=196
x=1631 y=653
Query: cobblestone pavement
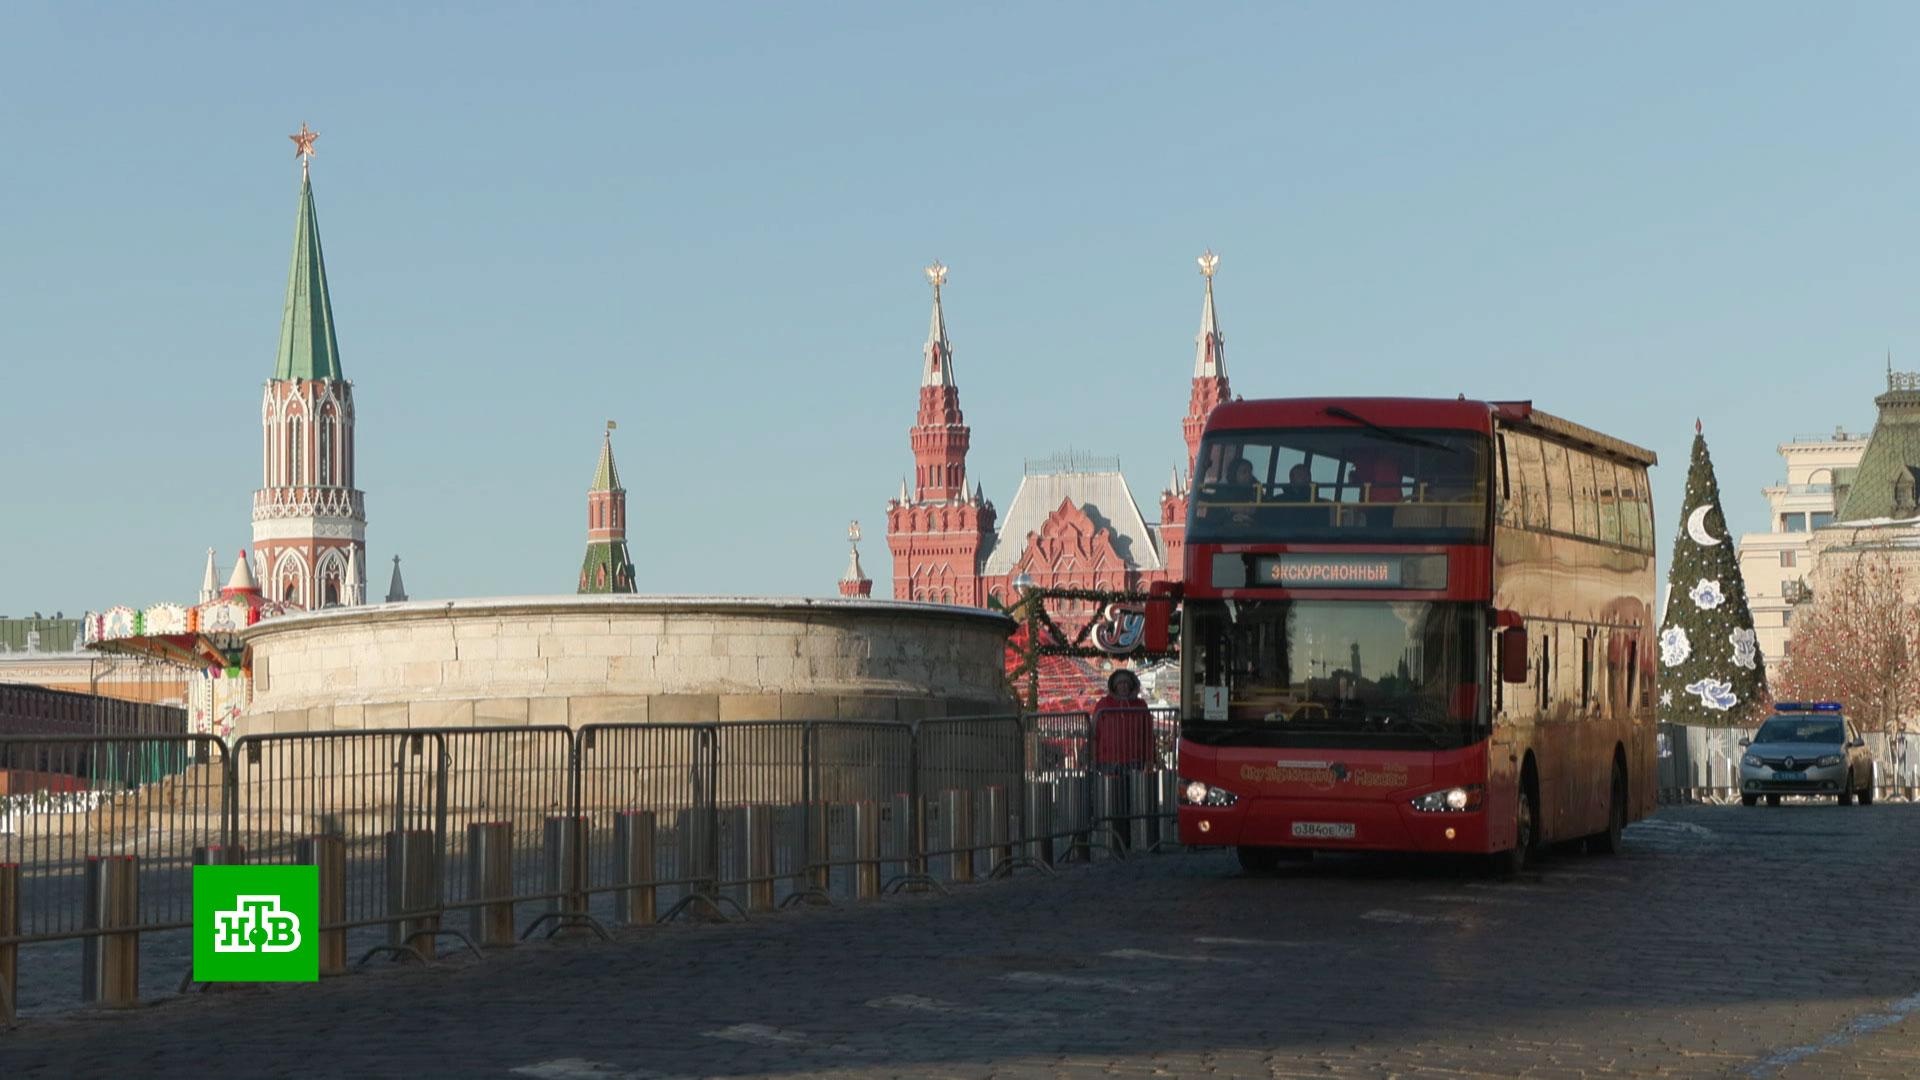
x=1725 y=942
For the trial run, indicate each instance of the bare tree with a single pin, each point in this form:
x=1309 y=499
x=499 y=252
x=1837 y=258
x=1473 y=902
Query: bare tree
x=1859 y=645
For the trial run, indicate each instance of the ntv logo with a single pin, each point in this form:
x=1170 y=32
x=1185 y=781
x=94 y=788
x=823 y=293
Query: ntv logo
x=256 y=924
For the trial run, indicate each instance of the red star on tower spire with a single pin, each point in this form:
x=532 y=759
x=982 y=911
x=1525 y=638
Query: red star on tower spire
x=303 y=145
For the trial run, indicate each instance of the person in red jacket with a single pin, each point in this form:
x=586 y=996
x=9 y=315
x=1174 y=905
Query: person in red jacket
x=1122 y=726
x=1123 y=744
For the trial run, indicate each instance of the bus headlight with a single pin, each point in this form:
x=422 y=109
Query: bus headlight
x=1453 y=800
x=1197 y=793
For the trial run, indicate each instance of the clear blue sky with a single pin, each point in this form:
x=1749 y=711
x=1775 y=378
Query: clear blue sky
x=708 y=221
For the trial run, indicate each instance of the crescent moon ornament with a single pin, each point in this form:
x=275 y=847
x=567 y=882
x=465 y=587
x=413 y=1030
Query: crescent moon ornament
x=1697 y=527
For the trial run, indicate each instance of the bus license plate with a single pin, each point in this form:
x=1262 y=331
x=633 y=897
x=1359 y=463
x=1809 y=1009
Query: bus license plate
x=1323 y=830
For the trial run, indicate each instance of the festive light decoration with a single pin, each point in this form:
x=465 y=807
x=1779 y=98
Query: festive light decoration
x=1041 y=636
x=1706 y=638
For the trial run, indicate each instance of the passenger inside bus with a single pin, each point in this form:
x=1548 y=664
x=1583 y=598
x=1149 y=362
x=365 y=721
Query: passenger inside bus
x=1299 y=485
x=1379 y=478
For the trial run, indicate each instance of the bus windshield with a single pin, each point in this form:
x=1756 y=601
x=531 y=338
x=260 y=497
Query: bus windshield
x=1333 y=673
x=1344 y=484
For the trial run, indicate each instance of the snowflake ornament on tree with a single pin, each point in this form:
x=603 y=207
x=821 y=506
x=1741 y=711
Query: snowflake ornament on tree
x=1674 y=646
x=1666 y=699
x=1745 y=647
x=1707 y=595
x=1715 y=694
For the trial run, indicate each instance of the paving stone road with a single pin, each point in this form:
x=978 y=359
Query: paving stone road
x=1724 y=942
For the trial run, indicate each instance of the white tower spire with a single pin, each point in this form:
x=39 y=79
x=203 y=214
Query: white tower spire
x=209 y=581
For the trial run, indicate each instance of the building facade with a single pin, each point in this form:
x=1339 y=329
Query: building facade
x=309 y=520
x=1879 y=503
x=1775 y=564
x=1073 y=522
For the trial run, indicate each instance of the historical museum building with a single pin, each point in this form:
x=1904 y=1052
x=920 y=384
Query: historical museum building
x=1073 y=522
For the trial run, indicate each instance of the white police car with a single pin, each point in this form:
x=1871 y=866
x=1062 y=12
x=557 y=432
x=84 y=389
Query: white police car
x=1806 y=748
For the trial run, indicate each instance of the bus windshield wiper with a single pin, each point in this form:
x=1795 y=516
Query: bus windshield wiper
x=1388 y=433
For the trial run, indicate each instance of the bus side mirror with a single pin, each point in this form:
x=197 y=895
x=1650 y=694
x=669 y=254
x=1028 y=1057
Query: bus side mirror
x=1161 y=596
x=1513 y=655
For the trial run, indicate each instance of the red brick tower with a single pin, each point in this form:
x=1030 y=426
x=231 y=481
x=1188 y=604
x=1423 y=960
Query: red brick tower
x=309 y=522
x=1209 y=389
x=608 y=568
x=855 y=583
x=938 y=533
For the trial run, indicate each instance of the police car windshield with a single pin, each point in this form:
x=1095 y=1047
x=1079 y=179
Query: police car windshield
x=1796 y=729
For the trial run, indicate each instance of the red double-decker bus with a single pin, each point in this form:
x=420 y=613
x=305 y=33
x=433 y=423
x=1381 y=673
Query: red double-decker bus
x=1413 y=625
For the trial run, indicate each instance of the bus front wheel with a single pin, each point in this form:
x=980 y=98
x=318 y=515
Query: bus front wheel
x=1525 y=813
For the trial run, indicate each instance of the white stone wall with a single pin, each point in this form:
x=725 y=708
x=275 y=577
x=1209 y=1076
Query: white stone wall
x=581 y=660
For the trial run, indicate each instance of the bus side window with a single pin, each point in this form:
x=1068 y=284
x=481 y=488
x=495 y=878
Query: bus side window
x=1509 y=514
x=1585 y=509
x=1546 y=673
x=1532 y=480
x=1606 y=476
x=1494 y=676
x=1643 y=501
x=1586 y=671
x=1633 y=670
x=1559 y=488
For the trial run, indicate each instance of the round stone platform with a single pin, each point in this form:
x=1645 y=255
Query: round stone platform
x=578 y=660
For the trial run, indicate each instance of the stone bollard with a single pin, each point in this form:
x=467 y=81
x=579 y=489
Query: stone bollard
x=490 y=877
x=757 y=824
x=909 y=834
x=1142 y=826
x=633 y=866
x=219 y=855
x=328 y=854
x=1037 y=822
x=818 y=853
x=1110 y=800
x=993 y=804
x=1077 y=794
x=413 y=887
x=866 y=850
x=110 y=962
x=564 y=842
x=9 y=954
x=957 y=807
x=1165 y=807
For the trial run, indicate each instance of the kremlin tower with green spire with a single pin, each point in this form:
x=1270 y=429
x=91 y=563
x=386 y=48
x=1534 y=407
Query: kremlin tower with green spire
x=309 y=522
x=607 y=568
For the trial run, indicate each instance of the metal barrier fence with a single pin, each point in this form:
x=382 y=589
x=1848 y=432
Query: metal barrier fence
x=429 y=834
x=36 y=710
x=1702 y=764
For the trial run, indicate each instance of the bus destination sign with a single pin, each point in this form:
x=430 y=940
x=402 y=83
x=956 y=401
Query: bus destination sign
x=1330 y=571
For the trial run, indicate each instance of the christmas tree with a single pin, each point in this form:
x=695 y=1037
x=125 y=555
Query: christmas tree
x=1711 y=671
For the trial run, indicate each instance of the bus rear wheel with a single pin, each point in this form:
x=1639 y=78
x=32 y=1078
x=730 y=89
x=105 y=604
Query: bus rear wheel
x=1607 y=841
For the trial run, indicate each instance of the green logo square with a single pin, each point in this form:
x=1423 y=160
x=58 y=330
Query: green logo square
x=256 y=923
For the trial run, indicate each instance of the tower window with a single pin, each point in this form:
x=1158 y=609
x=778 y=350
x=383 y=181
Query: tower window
x=326 y=449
